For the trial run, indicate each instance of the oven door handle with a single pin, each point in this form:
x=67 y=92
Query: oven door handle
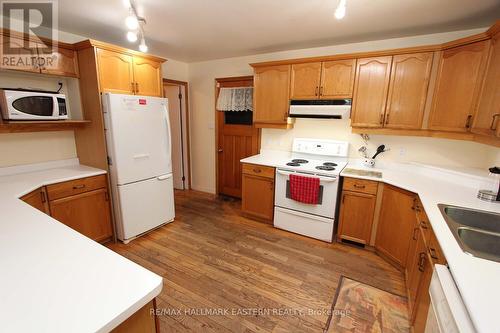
x=323 y=179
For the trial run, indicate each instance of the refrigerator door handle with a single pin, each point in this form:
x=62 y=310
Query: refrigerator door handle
x=163 y=177
x=167 y=119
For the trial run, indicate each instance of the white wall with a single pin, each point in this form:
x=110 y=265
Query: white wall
x=203 y=74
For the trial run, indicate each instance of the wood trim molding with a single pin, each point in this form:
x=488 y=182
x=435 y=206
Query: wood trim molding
x=188 y=143
x=20 y=35
x=115 y=48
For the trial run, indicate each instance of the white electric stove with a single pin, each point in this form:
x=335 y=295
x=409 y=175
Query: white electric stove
x=323 y=159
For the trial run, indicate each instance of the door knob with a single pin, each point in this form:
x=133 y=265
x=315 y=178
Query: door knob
x=220 y=150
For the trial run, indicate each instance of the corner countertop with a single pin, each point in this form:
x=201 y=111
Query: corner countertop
x=477 y=279
x=53 y=278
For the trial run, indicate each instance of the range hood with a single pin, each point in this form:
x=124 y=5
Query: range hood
x=323 y=108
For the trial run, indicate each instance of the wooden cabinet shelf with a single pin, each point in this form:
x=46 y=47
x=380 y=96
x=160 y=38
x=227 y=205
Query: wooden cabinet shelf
x=41 y=126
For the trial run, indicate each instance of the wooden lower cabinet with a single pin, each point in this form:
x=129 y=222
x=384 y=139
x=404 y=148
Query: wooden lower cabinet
x=258 y=192
x=82 y=204
x=37 y=199
x=356 y=217
x=87 y=213
x=415 y=267
x=143 y=321
x=395 y=226
x=423 y=299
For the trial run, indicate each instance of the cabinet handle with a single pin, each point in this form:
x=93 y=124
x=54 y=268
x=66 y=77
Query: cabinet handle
x=285 y=116
x=467 y=123
x=133 y=88
x=415 y=233
x=359 y=186
x=316 y=93
x=106 y=196
x=423 y=224
x=414 y=203
x=78 y=187
x=421 y=262
x=257 y=170
x=321 y=91
x=43 y=197
x=493 y=122
x=433 y=254
x=381 y=119
x=386 y=119
x=136 y=88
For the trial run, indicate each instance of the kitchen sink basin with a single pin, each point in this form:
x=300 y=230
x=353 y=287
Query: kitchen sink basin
x=477 y=232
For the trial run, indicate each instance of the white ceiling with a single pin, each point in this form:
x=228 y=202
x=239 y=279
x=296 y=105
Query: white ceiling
x=194 y=30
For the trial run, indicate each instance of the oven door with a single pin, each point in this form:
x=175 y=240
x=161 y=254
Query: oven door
x=327 y=194
x=31 y=106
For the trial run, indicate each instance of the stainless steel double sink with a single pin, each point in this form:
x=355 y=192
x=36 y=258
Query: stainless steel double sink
x=476 y=231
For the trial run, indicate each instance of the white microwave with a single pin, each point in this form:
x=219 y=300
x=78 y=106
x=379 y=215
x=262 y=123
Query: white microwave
x=32 y=105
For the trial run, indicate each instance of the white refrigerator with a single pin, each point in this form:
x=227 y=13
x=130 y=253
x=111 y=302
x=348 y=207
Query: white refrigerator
x=139 y=156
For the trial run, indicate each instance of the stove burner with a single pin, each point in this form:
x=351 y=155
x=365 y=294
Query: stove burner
x=300 y=161
x=325 y=168
x=293 y=164
x=331 y=164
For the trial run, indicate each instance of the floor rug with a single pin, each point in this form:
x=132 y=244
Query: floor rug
x=359 y=307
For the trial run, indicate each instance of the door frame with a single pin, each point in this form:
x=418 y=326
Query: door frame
x=216 y=120
x=188 y=136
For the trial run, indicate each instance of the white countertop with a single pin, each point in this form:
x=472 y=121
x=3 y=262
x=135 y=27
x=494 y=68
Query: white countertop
x=478 y=280
x=53 y=279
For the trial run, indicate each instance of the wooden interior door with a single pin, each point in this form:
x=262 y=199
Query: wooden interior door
x=370 y=91
x=408 y=90
x=115 y=72
x=234 y=142
x=147 y=77
x=305 y=80
x=337 y=79
x=459 y=80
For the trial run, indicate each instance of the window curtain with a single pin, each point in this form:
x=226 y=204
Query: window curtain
x=235 y=99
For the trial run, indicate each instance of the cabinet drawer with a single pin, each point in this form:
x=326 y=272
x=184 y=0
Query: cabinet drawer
x=360 y=185
x=72 y=187
x=258 y=170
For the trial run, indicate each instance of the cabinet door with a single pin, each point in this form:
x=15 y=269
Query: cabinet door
x=305 y=80
x=408 y=90
x=414 y=269
x=88 y=213
x=37 y=199
x=258 y=197
x=271 y=94
x=20 y=57
x=115 y=72
x=487 y=119
x=64 y=62
x=356 y=216
x=423 y=299
x=147 y=77
x=337 y=79
x=395 y=226
x=458 y=83
x=370 y=91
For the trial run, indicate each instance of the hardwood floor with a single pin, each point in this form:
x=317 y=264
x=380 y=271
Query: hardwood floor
x=214 y=259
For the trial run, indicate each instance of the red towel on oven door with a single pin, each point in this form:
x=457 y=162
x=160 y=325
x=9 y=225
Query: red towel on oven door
x=304 y=189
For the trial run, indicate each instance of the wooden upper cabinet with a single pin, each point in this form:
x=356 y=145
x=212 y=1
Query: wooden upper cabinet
x=396 y=223
x=370 y=91
x=115 y=72
x=271 y=94
x=408 y=90
x=459 y=80
x=18 y=51
x=337 y=79
x=147 y=77
x=487 y=119
x=64 y=62
x=305 y=80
